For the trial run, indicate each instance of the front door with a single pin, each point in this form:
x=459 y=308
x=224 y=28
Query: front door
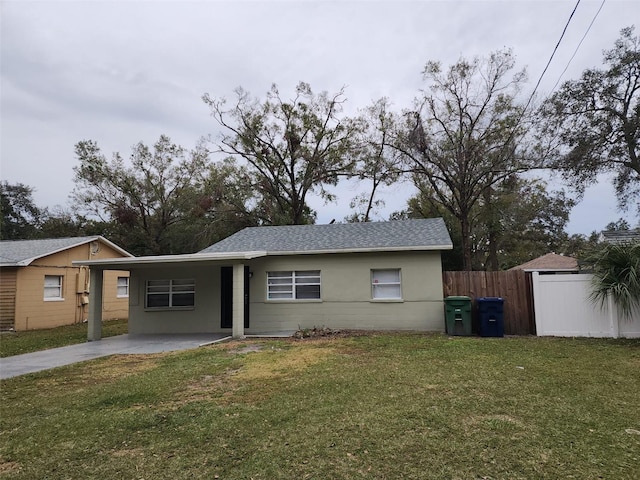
x=226 y=297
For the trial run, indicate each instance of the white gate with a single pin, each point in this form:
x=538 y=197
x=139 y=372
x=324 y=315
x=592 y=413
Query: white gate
x=563 y=309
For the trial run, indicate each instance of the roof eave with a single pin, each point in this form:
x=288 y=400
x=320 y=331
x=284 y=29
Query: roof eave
x=27 y=261
x=169 y=259
x=248 y=255
x=362 y=250
x=116 y=247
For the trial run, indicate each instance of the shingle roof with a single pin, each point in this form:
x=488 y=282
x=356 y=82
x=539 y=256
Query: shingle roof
x=549 y=262
x=22 y=252
x=420 y=234
x=621 y=236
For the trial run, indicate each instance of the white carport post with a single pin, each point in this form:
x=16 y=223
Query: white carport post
x=94 y=332
x=237 y=330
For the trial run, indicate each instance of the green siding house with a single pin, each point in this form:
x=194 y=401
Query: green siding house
x=262 y=280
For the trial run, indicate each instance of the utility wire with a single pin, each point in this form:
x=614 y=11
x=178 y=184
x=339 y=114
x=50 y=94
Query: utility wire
x=551 y=58
x=578 y=47
x=515 y=127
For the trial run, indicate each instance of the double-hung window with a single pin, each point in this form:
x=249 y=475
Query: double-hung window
x=293 y=285
x=385 y=284
x=53 y=287
x=170 y=293
x=123 y=287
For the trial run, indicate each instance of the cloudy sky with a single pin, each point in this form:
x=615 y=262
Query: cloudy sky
x=121 y=72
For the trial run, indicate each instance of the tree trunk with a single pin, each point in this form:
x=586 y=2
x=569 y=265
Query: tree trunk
x=370 y=204
x=492 y=259
x=492 y=264
x=465 y=228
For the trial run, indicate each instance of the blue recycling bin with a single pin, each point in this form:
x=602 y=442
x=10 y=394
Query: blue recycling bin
x=490 y=316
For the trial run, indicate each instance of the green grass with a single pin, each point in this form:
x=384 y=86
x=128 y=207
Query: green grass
x=16 y=343
x=378 y=406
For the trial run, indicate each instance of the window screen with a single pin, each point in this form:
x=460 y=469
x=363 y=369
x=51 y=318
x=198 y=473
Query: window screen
x=123 y=287
x=385 y=284
x=293 y=285
x=170 y=293
x=53 y=287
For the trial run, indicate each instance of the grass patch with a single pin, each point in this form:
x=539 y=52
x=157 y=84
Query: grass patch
x=16 y=343
x=377 y=406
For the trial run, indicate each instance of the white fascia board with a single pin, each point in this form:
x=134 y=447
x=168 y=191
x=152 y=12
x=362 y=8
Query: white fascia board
x=363 y=250
x=115 y=247
x=165 y=259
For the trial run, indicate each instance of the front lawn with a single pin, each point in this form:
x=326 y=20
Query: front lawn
x=16 y=343
x=376 y=406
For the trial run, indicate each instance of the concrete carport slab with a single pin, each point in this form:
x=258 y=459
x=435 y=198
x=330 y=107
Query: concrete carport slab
x=120 y=344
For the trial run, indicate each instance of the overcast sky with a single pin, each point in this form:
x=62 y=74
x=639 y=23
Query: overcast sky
x=121 y=72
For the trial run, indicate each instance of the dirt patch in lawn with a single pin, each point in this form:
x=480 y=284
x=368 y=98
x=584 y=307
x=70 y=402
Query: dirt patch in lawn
x=283 y=363
x=120 y=366
x=262 y=367
x=9 y=467
x=102 y=371
x=258 y=374
x=476 y=424
x=240 y=350
x=127 y=452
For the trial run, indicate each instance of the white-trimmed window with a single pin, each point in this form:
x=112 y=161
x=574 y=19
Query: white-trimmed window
x=385 y=284
x=170 y=293
x=53 y=287
x=123 y=287
x=293 y=285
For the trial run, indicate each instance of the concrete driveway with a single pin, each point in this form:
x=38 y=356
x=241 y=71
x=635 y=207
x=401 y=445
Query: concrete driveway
x=120 y=344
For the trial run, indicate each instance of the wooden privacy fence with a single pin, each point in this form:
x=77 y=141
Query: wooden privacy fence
x=514 y=286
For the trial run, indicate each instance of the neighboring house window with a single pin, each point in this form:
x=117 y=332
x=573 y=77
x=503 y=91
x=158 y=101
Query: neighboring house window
x=53 y=287
x=170 y=293
x=296 y=285
x=385 y=284
x=123 y=287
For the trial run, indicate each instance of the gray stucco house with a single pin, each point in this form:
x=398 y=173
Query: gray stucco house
x=385 y=275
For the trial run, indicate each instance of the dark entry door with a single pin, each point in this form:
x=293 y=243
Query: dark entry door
x=226 y=297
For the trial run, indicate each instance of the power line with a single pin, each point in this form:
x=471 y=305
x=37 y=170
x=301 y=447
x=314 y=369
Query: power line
x=578 y=47
x=513 y=131
x=551 y=57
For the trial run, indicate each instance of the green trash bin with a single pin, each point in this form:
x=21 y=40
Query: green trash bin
x=458 y=315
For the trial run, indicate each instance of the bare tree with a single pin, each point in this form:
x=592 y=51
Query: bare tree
x=291 y=147
x=464 y=134
x=379 y=163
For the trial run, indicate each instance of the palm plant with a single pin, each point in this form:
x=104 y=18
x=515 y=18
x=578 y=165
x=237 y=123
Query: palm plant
x=616 y=273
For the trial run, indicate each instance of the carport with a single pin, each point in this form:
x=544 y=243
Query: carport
x=208 y=266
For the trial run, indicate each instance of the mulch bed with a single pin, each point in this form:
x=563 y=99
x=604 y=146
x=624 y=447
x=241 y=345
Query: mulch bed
x=326 y=332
